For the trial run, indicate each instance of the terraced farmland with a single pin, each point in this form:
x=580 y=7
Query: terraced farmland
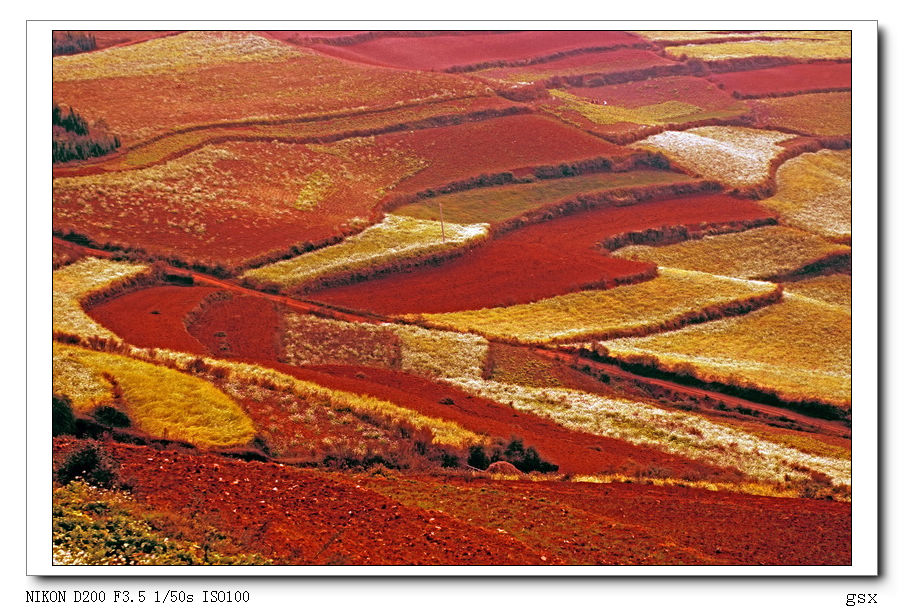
x=385 y=297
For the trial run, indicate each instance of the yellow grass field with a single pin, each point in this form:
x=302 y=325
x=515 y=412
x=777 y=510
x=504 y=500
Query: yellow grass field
x=814 y=193
x=160 y=401
x=395 y=241
x=735 y=156
x=762 y=254
x=836 y=48
x=820 y=113
x=833 y=289
x=702 y=35
x=501 y=203
x=677 y=432
x=673 y=298
x=799 y=349
x=74 y=283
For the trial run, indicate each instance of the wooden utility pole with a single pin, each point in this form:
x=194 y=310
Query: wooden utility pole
x=442 y=222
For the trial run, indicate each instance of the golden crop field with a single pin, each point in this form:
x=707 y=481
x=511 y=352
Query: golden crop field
x=74 y=283
x=736 y=156
x=814 y=193
x=799 y=349
x=837 y=47
x=820 y=113
x=160 y=401
x=677 y=432
x=673 y=298
x=501 y=203
x=832 y=289
x=702 y=35
x=764 y=253
x=396 y=241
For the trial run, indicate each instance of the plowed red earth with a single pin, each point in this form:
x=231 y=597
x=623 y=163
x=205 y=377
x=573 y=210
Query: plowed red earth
x=517 y=144
x=476 y=50
x=573 y=452
x=243 y=326
x=153 y=317
x=786 y=80
x=537 y=261
x=306 y=517
x=597 y=63
x=310 y=517
x=692 y=90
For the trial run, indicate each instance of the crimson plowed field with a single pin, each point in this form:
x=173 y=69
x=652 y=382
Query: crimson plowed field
x=540 y=260
x=476 y=49
x=154 y=317
x=311 y=517
x=239 y=326
x=787 y=80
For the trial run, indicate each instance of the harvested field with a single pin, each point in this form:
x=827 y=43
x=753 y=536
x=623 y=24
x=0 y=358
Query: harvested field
x=787 y=80
x=85 y=280
x=836 y=48
x=229 y=76
x=832 y=289
x=508 y=363
x=500 y=204
x=809 y=114
x=397 y=242
x=768 y=253
x=689 y=36
x=814 y=193
x=676 y=432
x=732 y=155
x=549 y=258
x=235 y=204
x=498 y=151
x=673 y=299
x=798 y=349
x=160 y=401
x=476 y=50
x=597 y=68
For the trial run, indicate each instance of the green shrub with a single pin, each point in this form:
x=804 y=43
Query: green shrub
x=63 y=419
x=112 y=416
x=90 y=463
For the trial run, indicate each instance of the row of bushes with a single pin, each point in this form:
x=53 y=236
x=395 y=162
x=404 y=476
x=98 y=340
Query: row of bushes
x=75 y=139
x=67 y=43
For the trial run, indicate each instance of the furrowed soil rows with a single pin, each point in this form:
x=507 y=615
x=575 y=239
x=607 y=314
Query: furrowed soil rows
x=787 y=80
x=545 y=259
x=477 y=50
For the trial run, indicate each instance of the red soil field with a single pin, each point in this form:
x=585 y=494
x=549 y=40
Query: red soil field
x=153 y=317
x=306 y=517
x=477 y=49
x=309 y=517
x=537 y=261
x=573 y=452
x=517 y=144
x=787 y=80
x=243 y=202
x=246 y=323
x=588 y=68
x=146 y=106
x=692 y=90
x=240 y=326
